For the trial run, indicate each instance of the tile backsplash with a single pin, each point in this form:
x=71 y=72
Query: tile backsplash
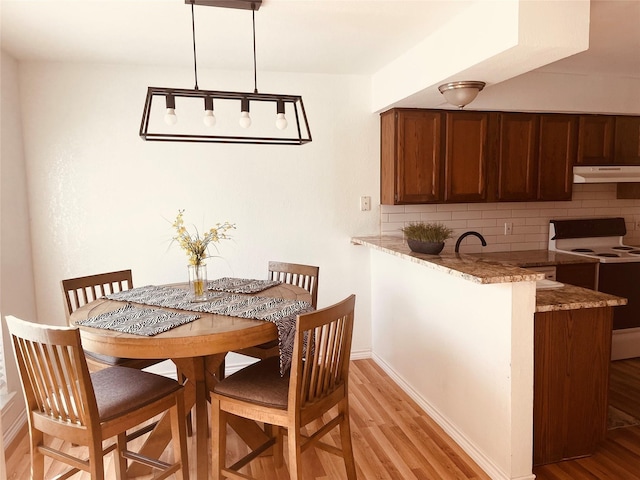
x=529 y=220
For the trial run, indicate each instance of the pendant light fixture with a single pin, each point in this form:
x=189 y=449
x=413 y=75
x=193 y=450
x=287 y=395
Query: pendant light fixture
x=174 y=101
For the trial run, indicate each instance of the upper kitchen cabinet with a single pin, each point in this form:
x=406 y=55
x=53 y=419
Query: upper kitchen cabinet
x=557 y=148
x=627 y=140
x=517 y=156
x=410 y=156
x=465 y=156
x=595 y=139
x=535 y=154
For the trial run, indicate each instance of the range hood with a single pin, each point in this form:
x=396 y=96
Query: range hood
x=606 y=174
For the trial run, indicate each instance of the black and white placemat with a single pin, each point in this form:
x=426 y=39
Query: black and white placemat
x=241 y=285
x=138 y=321
x=282 y=312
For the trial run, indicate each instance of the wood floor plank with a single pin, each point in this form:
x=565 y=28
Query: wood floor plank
x=394 y=439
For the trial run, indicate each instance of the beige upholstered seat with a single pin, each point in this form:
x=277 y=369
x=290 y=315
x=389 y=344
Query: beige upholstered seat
x=68 y=403
x=316 y=383
x=82 y=290
x=303 y=276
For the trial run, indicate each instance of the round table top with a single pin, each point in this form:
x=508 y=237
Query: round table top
x=208 y=335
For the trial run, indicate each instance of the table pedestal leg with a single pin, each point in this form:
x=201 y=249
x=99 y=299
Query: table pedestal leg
x=201 y=375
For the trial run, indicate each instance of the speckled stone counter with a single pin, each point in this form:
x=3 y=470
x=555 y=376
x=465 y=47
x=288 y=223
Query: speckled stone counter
x=533 y=258
x=570 y=297
x=502 y=267
x=471 y=268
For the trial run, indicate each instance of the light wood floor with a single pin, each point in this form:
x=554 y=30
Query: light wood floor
x=393 y=439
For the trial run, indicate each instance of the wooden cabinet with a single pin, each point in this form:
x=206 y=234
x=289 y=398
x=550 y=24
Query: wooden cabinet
x=609 y=140
x=465 y=156
x=578 y=274
x=627 y=141
x=557 y=149
x=572 y=353
x=517 y=156
x=595 y=140
x=430 y=156
x=535 y=156
x=410 y=156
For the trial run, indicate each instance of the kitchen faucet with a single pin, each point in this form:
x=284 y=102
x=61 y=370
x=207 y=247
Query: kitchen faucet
x=466 y=234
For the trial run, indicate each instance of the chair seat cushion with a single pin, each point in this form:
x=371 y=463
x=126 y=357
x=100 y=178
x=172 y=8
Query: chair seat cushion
x=259 y=383
x=120 y=390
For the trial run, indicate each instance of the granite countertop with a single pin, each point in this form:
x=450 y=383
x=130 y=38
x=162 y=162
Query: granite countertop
x=502 y=267
x=533 y=258
x=570 y=297
x=472 y=268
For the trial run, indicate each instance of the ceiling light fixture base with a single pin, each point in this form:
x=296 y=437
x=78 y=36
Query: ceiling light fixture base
x=461 y=93
x=239 y=4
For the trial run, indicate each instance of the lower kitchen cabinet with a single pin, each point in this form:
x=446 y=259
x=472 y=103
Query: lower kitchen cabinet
x=572 y=353
x=578 y=274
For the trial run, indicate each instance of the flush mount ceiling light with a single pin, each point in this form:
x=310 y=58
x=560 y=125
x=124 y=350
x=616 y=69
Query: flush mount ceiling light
x=269 y=127
x=461 y=93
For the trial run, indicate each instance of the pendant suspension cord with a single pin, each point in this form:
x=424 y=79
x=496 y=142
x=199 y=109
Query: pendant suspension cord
x=193 y=30
x=255 y=75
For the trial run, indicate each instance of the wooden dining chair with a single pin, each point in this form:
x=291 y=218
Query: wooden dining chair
x=65 y=402
x=79 y=291
x=316 y=382
x=303 y=276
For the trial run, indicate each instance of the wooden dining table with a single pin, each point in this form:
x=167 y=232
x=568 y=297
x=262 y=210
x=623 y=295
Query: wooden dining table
x=198 y=349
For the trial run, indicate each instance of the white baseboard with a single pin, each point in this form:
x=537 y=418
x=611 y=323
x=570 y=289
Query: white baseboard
x=10 y=432
x=625 y=344
x=470 y=449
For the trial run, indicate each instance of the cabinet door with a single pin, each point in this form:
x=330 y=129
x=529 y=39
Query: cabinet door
x=517 y=156
x=466 y=156
x=595 y=140
x=556 y=154
x=572 y=353
x=410 y=156
x=627 y=141
x=578 y=274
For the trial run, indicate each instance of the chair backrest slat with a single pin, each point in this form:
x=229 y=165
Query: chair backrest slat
x=303 y=276
x=82 y=290
x=321 y=353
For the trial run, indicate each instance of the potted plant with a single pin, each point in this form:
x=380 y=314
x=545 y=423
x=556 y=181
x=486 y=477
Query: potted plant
x=426 y=237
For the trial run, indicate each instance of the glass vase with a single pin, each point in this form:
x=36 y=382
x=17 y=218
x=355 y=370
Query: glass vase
x=198 y=282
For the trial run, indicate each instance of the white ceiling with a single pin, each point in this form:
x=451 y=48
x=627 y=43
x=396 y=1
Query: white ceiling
x=307 y=36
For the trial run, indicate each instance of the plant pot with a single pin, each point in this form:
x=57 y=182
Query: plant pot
x=431 y=248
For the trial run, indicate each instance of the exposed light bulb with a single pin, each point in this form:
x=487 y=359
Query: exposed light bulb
x=245 y=120
x=209 y=118
x=281 y=122
x=170 y=117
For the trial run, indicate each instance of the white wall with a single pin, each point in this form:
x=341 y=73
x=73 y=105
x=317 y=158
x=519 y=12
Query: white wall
x=464 y=352
x=102 y=199
x=17 y=295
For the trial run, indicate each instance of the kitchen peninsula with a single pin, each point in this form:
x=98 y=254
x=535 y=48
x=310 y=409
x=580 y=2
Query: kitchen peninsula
x=457 y=332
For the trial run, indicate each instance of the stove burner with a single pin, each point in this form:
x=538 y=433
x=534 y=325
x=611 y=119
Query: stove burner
x=608 y=255
x=582 y=250
x=622 y=247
